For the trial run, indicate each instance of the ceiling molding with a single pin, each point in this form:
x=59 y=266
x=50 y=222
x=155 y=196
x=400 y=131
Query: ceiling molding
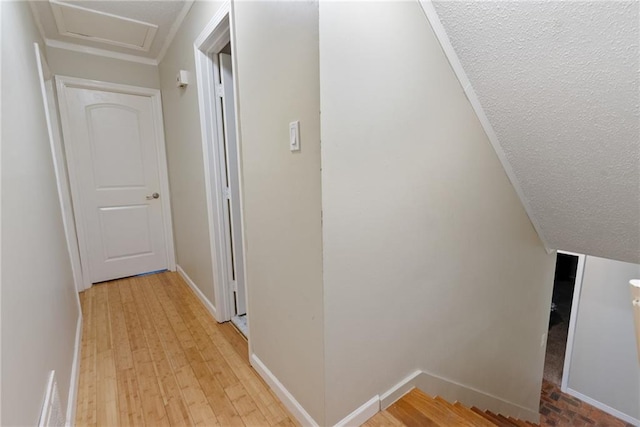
x=63 y=21
x=36 y=18
x=174 y=30
x=441 y=34
x=57 y=44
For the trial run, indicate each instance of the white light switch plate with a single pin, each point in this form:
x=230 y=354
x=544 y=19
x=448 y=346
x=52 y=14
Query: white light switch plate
x=294 y=136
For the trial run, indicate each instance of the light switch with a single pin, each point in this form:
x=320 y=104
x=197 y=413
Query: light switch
x=294 y=136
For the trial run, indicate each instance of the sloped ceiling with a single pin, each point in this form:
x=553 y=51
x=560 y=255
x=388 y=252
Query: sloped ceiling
x=558 y=81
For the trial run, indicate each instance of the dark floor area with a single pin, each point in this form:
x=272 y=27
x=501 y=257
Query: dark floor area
x=560 y=409
x=564 y=282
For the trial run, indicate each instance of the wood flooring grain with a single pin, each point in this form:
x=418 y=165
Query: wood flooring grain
x=152 y=355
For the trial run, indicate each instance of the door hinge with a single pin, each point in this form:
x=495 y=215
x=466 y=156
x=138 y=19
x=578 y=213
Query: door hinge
x=220 y=91
x=227 y=193
x=234 y=285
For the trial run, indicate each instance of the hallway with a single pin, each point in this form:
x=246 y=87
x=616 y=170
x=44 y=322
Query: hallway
x=153 y=355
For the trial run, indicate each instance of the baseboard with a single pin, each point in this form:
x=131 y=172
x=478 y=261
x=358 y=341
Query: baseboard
x=283 y=394
x=586 y=399
x=210 y=307
x=72 y=402
x=397 y=391
x=453 y=391
x=362 y=414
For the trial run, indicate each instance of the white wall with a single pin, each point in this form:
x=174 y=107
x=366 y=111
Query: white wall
x=604 y=362
x=430 y=261
x=83 y=65
x=277 y=72
x=39 y=303
x=184 y=152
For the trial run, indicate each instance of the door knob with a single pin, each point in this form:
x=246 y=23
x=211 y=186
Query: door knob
x=153 y=196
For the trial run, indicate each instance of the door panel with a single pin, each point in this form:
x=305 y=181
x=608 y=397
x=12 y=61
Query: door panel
x=112 y=154
x=231 y=146
x=116 y=146
x=125 y=231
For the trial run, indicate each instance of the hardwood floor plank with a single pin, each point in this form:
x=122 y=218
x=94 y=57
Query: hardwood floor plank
x=119 y=335
x=409 y=415
x=152 y=355
x=269 y=406
x=213 y=374
x=477 y=419
x=86 y=407
x=427 y=404
x=140 y=327
x=383 y=419
x=129 y=403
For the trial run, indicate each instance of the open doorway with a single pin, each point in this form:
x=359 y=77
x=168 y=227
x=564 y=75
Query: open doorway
x=225 y=81
x=215 y=69
x=560 y=325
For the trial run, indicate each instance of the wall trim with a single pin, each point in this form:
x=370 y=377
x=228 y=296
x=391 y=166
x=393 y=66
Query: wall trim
x=50 y=106
x=397 y=391
x=453 y=391
x=362 y=414
x=603 y=407
x=435 y=385
x=72 y=402
x=427 y=382
x=203 y=299
x=57 y=44
x=454 y=61
x=290 y=402
x=215 y=35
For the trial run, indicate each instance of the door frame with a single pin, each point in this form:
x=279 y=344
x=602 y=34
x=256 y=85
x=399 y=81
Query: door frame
x=573 y=318
x=59 y=165
x=70 y=180
x=213 y=38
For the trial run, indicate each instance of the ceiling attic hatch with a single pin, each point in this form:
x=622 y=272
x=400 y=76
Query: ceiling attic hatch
x=87 y=24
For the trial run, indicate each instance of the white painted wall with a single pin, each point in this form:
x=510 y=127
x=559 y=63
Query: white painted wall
x=184 y=152
x=39 y=304
x=604 y=361
x=77 y=64
x=430 y=261
x=277 y=72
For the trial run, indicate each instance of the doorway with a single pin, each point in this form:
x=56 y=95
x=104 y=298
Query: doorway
x=232 y=175
x=564 y=302
x=117 y=171
x=215 y=69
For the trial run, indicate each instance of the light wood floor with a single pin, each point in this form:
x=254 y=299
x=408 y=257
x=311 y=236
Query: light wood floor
x=152 y=355
x=417 y=409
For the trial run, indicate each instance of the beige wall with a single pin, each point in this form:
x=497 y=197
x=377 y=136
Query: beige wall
x=39 y=304
x=277 y=72
x=430 y=261
x=604 y=362
x=184 y=152
x=83 y=65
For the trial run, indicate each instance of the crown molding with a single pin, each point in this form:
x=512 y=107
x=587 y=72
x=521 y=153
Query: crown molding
x=174 y=29
x=57 y=44
x=57 y=8
x=36 y=19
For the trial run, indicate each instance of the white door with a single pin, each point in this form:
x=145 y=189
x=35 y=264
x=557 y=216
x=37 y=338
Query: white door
x=112 y=146
x=233 y=182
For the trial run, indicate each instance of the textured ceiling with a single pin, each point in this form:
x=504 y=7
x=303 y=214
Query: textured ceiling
x=164 y=14
x=558 y=81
